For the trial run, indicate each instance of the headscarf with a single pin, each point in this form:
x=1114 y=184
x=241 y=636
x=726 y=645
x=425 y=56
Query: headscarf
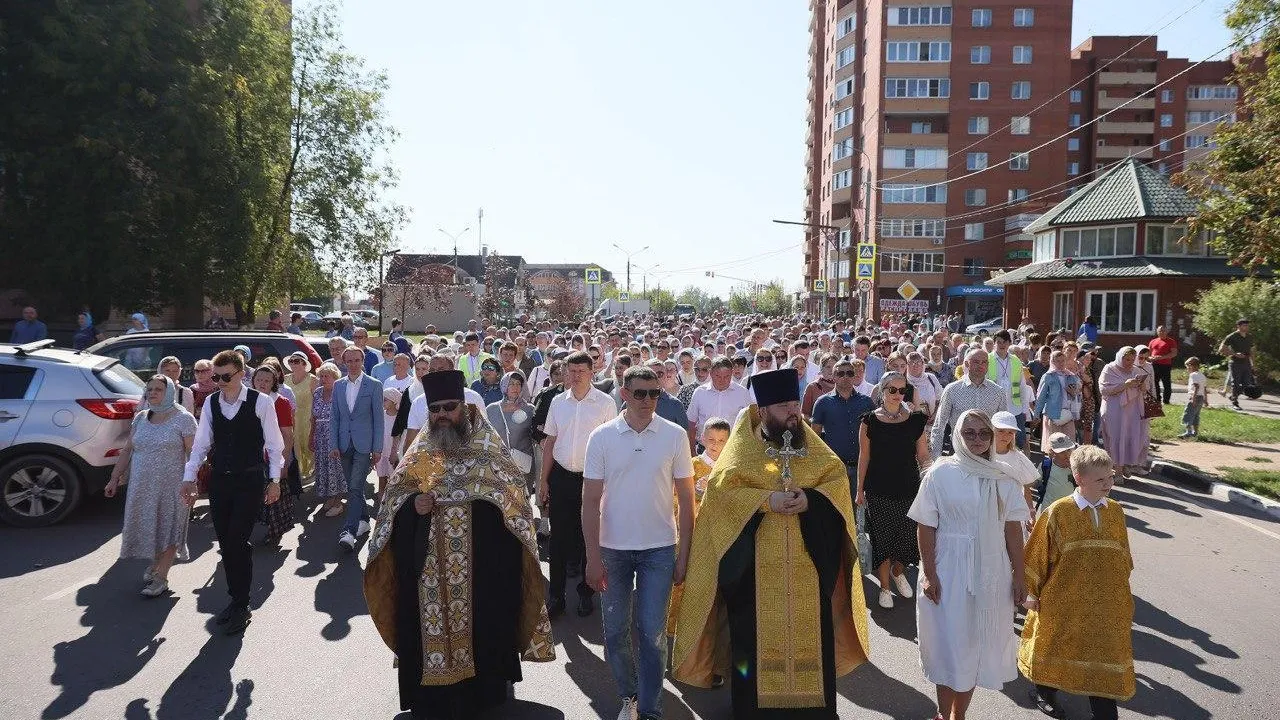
x=505 y=380
x=1114 y=375
x=170 y=394
x=142 y=319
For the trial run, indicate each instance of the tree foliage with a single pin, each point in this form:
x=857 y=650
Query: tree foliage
x=661 y=301
x=1238 y=183
x=704 y=302
x=566 y=304
x=426 y=287
x=498 y=300
x=1216 y=310
x=771 y=298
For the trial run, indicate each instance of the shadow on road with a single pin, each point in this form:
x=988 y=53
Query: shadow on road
x=29 y=549
x=1149 y=615
x=900 y=621
x=870 y=688
x=204 y=687
x=212 y=596
x=122 y=638
x=340 y=595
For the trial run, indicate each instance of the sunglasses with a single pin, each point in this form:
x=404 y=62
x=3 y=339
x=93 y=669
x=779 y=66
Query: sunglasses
x=225 y=377
x=292 y=361
x=444 y=407
x=976 y=434
x=845 y=373
x=895 y=390
x=766 y=359
x=654 y=394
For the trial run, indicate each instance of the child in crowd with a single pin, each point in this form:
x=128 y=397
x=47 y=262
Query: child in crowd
x=1077 y=636
x=1197 y=397
x=715 y=435
x=1056 y=483
x=1058 y=398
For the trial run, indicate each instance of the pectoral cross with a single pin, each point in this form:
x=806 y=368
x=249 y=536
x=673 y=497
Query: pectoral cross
x=786 y=453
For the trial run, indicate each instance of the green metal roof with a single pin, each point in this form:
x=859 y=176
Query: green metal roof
x=1126 y=191
x=1137 y=267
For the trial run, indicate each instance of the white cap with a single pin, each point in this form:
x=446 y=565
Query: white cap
x=1004 y=420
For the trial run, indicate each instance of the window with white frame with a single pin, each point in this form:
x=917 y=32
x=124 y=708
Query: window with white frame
x=926 y=15
x=1166 y=120
x=980 y=55
x=1073 y=144
x=921 y=128
x=903 y=193
x=1024 y=17
x=1123 y=311
x=912 y=228
x=846 y=25
x=1164 y=146
x=1019 y=161
x=981 y=18
x=846 y=238
x=845 y=56
x=1212 y=92
x=1200 y=141
x=1042 y=247
x=844 y=88
x=923 y=157
x=1073 y=120
x=1020 y=125
x=918 y=51
x=975 y=197
x=1200 y=117
x=927 y=262
x=838 y=269
x=842 y=179
x=974 y=231
x=842 y=149
x=1073 y=168
x=1021 y=54
x=1166 y=96
x=975 y=161
x=1172 y=240
x=1077 y=96
x=1018 y=194
x=975 y=267
x=978 y=125
x=917 y=87
x=1064 y=315
x=979 y=91
x=1020 y=90
x=844 y=118
x=1115 y=241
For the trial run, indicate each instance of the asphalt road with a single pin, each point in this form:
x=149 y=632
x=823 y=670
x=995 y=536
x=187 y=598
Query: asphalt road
x=80 y=643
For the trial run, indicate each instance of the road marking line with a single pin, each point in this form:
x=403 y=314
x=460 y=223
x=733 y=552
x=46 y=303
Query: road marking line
x=1164 y=489
x=71 y=588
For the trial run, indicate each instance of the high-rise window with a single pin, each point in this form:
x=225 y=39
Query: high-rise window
x=842 y=149
x=844 y=118
x=917 y=87
x=1166 y=96
x=844 y=57
x=1073 y=120
x=1077 y=96
x=1024 y=17
x=1021 y=54
x=1166 y=120
x=1020 y=125
x=1200 y=141
x=974 y=231
x=921 y=128
x=914 y=51
x=920 y=157
x=846 y=25
x=1073 y=168
x=1021 y=90
x=980 y=55
x=978 y=125
x=981 y=18
x=926 y=15
x=842 y=179
x=975 y=197
x=1212 y=92
x=1018 y=194
x=1019 y=161
x=1200 y=117
x=1073 y=144
x=1164 y=146
x=979 y=91
x=899 y=227
x=902 y=193
x=844 y=89
x=976 y=161
x=975 y=267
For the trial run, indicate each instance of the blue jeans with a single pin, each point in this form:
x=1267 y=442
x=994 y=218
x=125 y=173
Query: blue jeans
x=1021 y=439
x=649 y=573
x=355 y=466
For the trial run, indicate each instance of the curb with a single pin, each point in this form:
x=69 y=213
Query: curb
x=1186 y=475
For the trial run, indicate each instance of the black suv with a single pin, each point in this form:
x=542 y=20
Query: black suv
x=141 y=352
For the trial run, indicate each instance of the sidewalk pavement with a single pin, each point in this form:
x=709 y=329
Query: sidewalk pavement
x=1266 y=406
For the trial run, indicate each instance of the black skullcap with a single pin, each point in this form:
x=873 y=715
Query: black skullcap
x=776 y=386
x=443 y=385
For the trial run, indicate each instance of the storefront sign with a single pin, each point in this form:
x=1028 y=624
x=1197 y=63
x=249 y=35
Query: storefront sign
x=955 y=290
x=1018 y=255
x=900 y=306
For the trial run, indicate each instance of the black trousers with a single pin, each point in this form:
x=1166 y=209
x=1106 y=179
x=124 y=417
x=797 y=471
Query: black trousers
x=567 y=544
x=1102 y=708
x=1241 y=370
x=235 y=501
x=1164 y=381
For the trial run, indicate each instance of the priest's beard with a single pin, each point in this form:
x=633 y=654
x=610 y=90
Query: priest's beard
x=448 y=437
x=775 y=427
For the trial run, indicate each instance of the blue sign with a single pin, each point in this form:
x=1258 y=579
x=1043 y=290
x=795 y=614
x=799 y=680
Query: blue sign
x=972 y=290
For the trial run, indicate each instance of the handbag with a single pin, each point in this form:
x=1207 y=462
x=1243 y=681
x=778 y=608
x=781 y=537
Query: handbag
x=864 y=538
x=1151 y=406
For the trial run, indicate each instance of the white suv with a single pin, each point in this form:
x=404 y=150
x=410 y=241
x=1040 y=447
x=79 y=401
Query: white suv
x=64 y=418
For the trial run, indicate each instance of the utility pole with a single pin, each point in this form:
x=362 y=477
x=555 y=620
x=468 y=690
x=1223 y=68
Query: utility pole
x=382 y=283
x=629 y=254
x=480 y=231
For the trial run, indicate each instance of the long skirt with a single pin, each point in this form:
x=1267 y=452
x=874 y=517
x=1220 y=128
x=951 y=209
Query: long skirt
x=893 y=534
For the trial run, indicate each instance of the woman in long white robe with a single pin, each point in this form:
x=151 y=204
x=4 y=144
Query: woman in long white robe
x=970 y=513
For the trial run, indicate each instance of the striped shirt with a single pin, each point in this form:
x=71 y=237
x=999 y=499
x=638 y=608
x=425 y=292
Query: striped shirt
x=963 y=395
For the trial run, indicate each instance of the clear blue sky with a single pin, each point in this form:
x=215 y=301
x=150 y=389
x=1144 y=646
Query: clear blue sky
x=679 y=125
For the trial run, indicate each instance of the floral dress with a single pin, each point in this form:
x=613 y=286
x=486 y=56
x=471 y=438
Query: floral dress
x=330 y=481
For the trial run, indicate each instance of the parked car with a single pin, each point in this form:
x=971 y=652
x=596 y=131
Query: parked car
x=995 y=324
x=321 y=346
x=356 y=319
x=142 y=352
x=312 y=320
x=64 y=418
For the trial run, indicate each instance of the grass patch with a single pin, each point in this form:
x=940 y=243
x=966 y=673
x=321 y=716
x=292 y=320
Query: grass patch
x=1258 y=459
x=1262 y=482
x=1218 y=426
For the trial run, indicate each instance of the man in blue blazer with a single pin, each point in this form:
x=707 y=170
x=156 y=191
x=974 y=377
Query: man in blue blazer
x=356 y=433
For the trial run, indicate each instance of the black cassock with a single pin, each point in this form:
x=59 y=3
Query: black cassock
x=823 y=531
x=496 y=596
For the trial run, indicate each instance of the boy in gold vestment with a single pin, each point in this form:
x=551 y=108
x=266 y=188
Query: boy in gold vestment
x=1077 y=634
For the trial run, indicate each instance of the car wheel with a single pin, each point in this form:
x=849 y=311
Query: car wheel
x=38 y=490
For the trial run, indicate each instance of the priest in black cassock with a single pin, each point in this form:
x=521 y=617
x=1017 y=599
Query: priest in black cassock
x=453 y=582
x=773 y=595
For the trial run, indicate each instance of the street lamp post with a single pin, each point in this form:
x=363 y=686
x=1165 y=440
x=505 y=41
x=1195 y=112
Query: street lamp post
x=455 y=239
x=382 y=284
x=629 y=254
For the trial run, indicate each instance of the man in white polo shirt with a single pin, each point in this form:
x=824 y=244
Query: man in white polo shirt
x=570 y=419
x=634 y=466
x=721 y=397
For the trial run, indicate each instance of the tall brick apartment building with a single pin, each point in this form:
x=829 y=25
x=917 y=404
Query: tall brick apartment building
x=922 y=123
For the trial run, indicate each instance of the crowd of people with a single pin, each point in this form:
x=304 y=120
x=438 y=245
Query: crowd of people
x=721 y=484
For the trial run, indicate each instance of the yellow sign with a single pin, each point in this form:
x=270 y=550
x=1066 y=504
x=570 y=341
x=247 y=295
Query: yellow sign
x=908 y=290
x=820 y=286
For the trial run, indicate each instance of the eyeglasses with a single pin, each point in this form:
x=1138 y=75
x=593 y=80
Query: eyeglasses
x=646 y=394
x=845 y=373
x=766 y=359
x=983 y=434
x=444 y=407
x=895 y=390
x=225 y=377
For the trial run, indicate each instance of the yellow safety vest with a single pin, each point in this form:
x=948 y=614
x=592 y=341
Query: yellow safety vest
x=1015 y=376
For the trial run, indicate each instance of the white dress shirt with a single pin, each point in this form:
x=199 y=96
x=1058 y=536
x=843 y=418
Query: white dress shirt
x=264 y=408
x=708 y=402
x=639 y=470
x=570 y=421
x=418 y=408
x=1084 y=504
x=353 y=390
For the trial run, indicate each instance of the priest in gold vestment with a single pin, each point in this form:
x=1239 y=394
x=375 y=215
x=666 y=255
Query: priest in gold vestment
x=453 y=582
x=773 y=595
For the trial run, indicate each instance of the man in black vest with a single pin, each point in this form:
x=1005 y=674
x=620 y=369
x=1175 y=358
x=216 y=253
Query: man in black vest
x=239 y=433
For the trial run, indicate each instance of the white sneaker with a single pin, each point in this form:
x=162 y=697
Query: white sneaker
x=902 y=586
x=347 y=541
x=886 y=599
x=629 y=710
x=157 y=587
x=148 y=575
x=362 y=529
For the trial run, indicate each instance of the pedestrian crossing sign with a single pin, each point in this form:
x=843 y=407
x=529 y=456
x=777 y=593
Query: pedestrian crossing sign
x=866 y=251
x=866 y=270
x=820 y=286
x=624 y=296
x=593 y=276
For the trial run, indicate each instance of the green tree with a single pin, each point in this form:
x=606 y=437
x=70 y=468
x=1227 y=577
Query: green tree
x=775 y=300
x=1238 y=182
x=660 y=301
x=704 y=302
x=498 y=300
x=1216 y=310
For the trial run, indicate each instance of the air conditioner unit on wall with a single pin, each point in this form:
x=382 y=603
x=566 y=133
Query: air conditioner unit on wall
x=938 y=241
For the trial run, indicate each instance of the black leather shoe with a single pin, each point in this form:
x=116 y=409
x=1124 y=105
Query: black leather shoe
x=226 y=614
x=238 y=622
x=585 y=606
x=555 y=608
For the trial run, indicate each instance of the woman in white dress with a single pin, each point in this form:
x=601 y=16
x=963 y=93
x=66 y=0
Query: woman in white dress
x=970 y=512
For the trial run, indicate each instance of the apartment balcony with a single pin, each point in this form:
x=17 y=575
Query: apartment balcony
x=1127 y=78
x=1019 y=221
x=1106 y=102
x=1119 y=152
x=1126 y=128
